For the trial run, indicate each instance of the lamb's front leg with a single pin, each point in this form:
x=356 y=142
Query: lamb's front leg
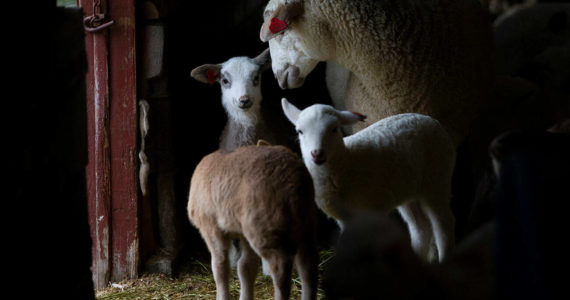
x=420 y=229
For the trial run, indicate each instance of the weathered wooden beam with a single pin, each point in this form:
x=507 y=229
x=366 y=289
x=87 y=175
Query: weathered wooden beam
x=124 y=132
x=112 y=118
x=99 y=167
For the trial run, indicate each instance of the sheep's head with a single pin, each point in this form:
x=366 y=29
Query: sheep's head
x=291 y=65
x=240 y=80
x=318 y=128
x=278 y=17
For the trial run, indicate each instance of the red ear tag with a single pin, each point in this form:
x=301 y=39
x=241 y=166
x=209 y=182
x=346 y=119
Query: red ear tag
x=277 y=25
x=361 y=117
x=211 y=76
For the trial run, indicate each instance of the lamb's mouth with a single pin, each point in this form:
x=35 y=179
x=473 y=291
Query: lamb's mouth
x=245 y=105
x=319 y=161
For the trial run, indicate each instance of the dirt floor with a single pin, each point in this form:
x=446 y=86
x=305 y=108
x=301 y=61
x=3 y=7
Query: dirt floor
x=194 y=282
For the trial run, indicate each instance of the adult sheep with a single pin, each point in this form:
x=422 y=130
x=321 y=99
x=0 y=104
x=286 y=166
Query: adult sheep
x=428 y=57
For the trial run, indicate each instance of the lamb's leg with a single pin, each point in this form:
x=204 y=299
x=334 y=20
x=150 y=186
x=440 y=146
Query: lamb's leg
x=340 y=225
x=265 y=268
x=280 y=265
x=419 y=226
x=219 y=244
x=248 y=265
x=307 y=260
x=443 y=224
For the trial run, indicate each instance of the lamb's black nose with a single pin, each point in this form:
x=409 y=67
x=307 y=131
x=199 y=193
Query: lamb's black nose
x=244 y=102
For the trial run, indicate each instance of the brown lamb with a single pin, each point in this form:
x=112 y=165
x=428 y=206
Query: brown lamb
x=263 y=196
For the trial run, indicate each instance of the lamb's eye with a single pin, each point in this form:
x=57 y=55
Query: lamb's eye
x=335 y=129
x=225 y=81
x=256 y=80
x=300 y=131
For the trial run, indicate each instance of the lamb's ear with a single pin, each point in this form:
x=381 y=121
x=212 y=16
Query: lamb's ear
x=350 y=117
x=263 y=60
x=207 y=73
x=280 y=19
x=290 y=110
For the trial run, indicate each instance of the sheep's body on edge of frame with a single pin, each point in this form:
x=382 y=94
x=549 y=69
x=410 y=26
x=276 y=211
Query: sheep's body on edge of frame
x=262 y=195
x=428 y=57
x=524 y=33
x=404 y=161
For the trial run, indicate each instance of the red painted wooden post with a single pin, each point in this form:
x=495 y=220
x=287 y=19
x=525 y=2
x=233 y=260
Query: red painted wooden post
x=124 y=131
x=98 y=168
x=112 y=130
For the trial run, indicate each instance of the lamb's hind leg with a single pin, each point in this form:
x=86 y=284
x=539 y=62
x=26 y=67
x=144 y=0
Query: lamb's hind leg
x=218 y=245
x=248 y=266
x=419 y=227
x=280 y=265
x=443 y=224
x=307 y=260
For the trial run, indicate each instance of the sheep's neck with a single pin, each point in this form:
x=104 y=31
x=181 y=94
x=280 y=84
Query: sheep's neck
x=237 y=134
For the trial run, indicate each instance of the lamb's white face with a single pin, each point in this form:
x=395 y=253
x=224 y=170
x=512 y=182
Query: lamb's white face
x=240 y=80
x=318 y=128
x=319 y=133
x=290 y=64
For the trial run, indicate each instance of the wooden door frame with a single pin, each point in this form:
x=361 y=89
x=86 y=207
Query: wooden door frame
x=112 y=180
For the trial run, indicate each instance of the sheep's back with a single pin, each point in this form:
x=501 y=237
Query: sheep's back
x=401 y=151
x=429 y=57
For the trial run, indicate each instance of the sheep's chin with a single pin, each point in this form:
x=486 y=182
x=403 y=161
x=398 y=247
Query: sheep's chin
x=289 y=77
x=290 y=82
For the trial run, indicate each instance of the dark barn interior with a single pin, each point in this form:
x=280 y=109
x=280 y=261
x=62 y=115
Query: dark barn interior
x=147 y=145
x=233 y=28
x=196 y=112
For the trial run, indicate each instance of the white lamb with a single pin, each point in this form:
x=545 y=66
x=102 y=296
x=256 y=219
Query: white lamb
x=403 y=161
x=428 y=57
x=240 y=82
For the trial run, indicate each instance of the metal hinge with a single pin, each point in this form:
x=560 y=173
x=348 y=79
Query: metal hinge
x=97 y=21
